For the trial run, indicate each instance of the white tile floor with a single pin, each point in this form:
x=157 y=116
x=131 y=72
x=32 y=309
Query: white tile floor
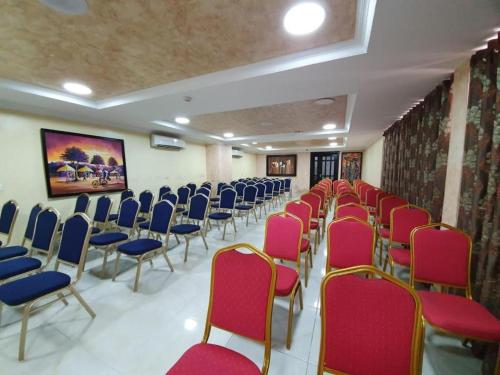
x=146 y=332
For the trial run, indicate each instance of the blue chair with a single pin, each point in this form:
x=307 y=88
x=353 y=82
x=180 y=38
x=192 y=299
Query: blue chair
x=146 y=199
x=101 y=215
x=239 y=187
x=43 y=237
x=205 y=191
x=30 y=226
x=163 y=190
x=170 y=197
x=192 y=189
x=124 y=195
x=225 y=211
x=145 y=249
x=81 y=206
x=8 y=217
x=215 y=205
x=233 y=183
x=248 y=204
x=276 y=192
x=261 y=198
x=183 y=194
x=288 y=187
x=269 y=193
x=217 y=194
x=207 y=185
x=197 y=212
x=127 y=220
x=29 y=291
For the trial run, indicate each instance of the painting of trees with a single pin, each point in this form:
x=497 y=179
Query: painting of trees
x=97 y=160
x=75 y=155
x=112 y=162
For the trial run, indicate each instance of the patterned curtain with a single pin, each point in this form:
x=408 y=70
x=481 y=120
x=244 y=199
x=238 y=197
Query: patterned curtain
x=416 y=152
x=479 y=211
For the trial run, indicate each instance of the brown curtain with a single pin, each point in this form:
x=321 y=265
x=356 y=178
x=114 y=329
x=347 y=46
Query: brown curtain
x=479 y=211
x=416 y=152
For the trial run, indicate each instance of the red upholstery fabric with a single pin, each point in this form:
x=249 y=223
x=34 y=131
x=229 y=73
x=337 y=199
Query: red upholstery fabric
x=384 y=232
x=304 y=245
x=363 y=334
x=210 y=359
x=351 y=210
x=314 y=201
x=404 y=220
x=459 y=315
x=322 y=215
x=371 y=197
x=314 y=225
x=350 y=244
x=303 y=211
x=240 y=293
x=441 y=256
x=286 y=278
x=362 y=192
x=321 y=193
x=347 y=198
x=400 y=256
x=334 y=186
x=283 y=237
x=386 y=205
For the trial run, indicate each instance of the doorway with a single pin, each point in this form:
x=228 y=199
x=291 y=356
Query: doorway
x=324 y=165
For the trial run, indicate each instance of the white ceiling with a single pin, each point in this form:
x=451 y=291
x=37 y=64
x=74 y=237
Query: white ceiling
x=413 y=45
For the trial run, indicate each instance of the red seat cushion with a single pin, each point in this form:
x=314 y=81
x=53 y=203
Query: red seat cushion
x=322 y=215
x=400 y=256
x=314 y=225
x=286 y=278
x=304 y=245
x=459 y=315
x=384 y=232
x=210 y=359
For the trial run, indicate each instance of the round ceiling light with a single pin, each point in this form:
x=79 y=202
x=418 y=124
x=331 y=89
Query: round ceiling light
x=324 y=101
x=304 y=18
x=254 y=143
x=269 y=147
x=77 y=88
x=334 y=144
x=73 y=7
x=329 y=126
x=332 y=138
x=183 y=120
x=228 y=135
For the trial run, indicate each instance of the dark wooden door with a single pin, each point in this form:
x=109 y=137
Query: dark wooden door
x=323 y=165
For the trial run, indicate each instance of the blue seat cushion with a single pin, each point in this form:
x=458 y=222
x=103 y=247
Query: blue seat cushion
x=29 y=288
x=144 y=225
x=214 y=199
x=244 y=207
x=96 y=230
x=141 y=219
x=18 y=266
x=107 y=238
x=113 y=217
x=140 y=246
x=12 y=251
x=259 y=202
x=215 y=205
x=185 y=213
x=184 y=228
x=179 y=209
x=268 y=197
x=276 y=193
x=219 y=216
x=239 y=199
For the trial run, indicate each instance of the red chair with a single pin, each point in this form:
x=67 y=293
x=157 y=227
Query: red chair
x=369 y=325
x=241 y=301
x=383 y=221
x=315 y=202
x=362 y=192
x=352 y=209
x=323 y=211
x=371 y=200
x=443 y=257
x=335 y=185
x=303 y=211
x=350 y=242
x=349 y=197
x=403 y=220
x=282 y=241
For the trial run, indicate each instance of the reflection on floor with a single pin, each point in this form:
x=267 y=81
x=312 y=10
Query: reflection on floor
x=146 y=332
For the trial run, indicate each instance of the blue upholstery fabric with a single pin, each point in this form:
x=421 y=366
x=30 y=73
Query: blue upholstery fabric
x=31 y=221
x=288 y=183
x=139 y=247
x=250 y=194
x=7 y=216
x=244 y=207
x=128 y=213
x=261 y=190
x=180 y=209
x=214 y=199
x=126 y=194
x=184 y=228
x=12 y=251
x=113 y=217
x=144 y=225
x=107 y=238
x=73 y=239
x=269 y=187
x=164 y=190
x=197 y=207
x=183 y=195
x=214 y=205
x=276 y=185
x=240 y=187
x=161 y=217
x=219 y=216
x=259 y=201
x=46 y=225
x=204 y=191
x=82 y=203
x=102 y=209
x=96 y=230
x=192 y=189
x=171 y=197
x=227 y=199
x=29 y=288
x=219 y=187
x=18 y=266
x=146 y=200
x=141 y=219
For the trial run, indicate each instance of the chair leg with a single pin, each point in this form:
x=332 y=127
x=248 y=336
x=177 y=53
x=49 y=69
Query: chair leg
x=177 y=239
x=301 y=301
x=204 y=241
x=306 y=269
x=24 y=330
x=290 y=320
x=255 y=215
x=234 y=225
x=82 y=301
x=61 y=297
x=117 y=261
x=497 y=366
x=137 y=274
x=248 y=215
x=385 y=262
x=104 y=262
x=224 y=232
x=167 y=259
x=324 y=227
x=1 y=310
x=316 y=242
x=380 y=250
x=186 y=250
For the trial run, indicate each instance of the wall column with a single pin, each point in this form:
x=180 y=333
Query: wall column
x=219 y=163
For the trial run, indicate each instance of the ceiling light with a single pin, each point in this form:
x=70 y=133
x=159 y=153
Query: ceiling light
x=269 y=147
x=182 y=120
x=324 y=101
x=329 y=126
x=190 y=324
x=245 y=144
x=254 y=143
x=332 y=138
x=77 y=88
x=304 y=18
x=228 y=135
x=334 y=144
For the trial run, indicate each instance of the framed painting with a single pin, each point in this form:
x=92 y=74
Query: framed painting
x=351 y=165
x=281 y=165
x=78 y=163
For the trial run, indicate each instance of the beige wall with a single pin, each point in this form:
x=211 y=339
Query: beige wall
x=23 y=179
x=371 y=170
x=219 y=163
x=243 y=167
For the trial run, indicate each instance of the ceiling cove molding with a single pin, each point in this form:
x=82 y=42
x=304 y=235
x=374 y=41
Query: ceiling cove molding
x=353 y=47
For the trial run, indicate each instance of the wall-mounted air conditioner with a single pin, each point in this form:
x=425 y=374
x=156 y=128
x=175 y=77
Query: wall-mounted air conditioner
x=169 y=143
x=237 y=153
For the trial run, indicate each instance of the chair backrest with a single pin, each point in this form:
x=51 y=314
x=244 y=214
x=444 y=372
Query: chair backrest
x=240 y=187
x=369 y=325
x=363 y=188
x=379 y=196
x=371 y=197
x=183 y=195
x=406 y=218
x=352 y=209
x=314 y=201
x=321 y=193
x=233 y=183
x=161 y=217
x=171 y=197
x=303 y=211
x=163 y=190
x=237 y=305
x=269 y=187
x=344 y=198
x=82 y=203
x=250 y=182
x=386 y=205
x=44 y=233
x=250 y=194
x=227 y=199
x=283 y=237
x=288 y=183
x=8 y=217
x=146 y=198
x=219 y=187
x=276 y=186
x=30 y=226
x=102 y=209
x=207 y=185
x=441 y=254
x=127 y=216
x=74 y=241
x=204 y=191
x=350 y=242
x=198 y=207
x=261 y=190
x=335 y=185
x=126 y=194
x=192 y=188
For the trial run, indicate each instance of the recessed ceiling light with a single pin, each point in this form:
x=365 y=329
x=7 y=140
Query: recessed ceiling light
x=332 y=138
x=245 y=144
x=269 y=147
x=334 y=144
x=329 y=126
x=254 y=143
x=324 y=101
x=182 y=120
x=77 y=88
x=304 y=18
x=228 y=135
